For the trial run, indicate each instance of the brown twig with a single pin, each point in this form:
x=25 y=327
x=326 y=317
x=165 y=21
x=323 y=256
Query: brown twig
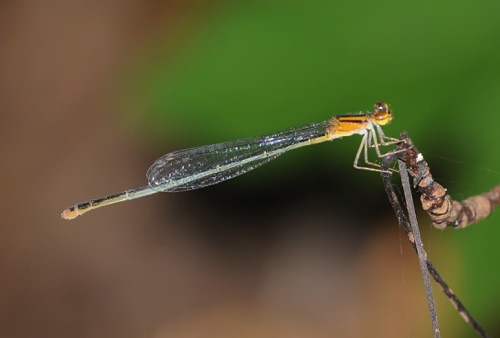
x=443 y=210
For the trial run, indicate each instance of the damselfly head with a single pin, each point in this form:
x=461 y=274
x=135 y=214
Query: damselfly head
x=382 y=113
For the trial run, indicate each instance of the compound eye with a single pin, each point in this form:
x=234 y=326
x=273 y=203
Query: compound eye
x=381 y=107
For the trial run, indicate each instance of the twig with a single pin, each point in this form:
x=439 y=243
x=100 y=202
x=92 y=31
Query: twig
x=409 y=229
x=405 y=225
x=422 y=256
x=443 y=210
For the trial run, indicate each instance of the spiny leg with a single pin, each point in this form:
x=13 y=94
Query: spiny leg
x=364 y=147
x=384 y=141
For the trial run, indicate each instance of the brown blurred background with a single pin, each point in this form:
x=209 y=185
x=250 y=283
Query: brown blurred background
x=92 y=93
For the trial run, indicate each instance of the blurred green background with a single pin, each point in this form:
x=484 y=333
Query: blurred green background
x=305 y=246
